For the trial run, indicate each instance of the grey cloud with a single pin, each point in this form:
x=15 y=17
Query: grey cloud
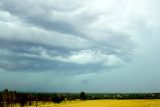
x=85 y=81
x=40 y=15
x=59 y=26
x=24 y=56
x=17 y=46
x=48 y=37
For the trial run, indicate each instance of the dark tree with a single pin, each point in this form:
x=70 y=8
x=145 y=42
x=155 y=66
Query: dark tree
x=1 y=101
x=62 y=98
x=5 y=97
x=22 y=100
x=30 y=99
x=82 y=96
x=56 y=99
x=12 y=98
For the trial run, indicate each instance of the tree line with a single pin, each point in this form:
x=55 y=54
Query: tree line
x=10 y=98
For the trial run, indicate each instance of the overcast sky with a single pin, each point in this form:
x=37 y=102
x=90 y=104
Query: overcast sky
x=80 y=45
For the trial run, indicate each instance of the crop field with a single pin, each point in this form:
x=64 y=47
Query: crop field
x=105 y=103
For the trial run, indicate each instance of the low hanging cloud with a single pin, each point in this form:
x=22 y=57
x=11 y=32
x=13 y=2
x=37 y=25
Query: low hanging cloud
x=50 y=36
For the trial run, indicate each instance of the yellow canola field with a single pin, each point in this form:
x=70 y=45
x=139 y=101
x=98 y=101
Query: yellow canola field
x=106 y=103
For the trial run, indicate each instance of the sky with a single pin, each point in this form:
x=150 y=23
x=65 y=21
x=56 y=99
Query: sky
x=80 y=45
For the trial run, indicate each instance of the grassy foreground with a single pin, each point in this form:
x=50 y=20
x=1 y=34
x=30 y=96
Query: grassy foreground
x=105 y=103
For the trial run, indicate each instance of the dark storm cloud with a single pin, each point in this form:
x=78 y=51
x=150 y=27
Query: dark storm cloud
x=25 y=56
x=13 y=56
x=16 y=46
x=50 y=36
x=38 y=14
x=59 y=26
